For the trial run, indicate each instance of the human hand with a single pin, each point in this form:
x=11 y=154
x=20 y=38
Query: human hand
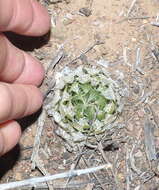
x=20 y=74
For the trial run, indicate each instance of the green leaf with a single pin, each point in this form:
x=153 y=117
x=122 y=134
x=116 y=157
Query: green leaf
x=93 y=95
x=74 y=87
x=66 y=102
x=77 y=100
x=101 y=102
x=86 y=127
x=110 y=108
x=82 y=125
x=85 y=88
x=79 y=111
x=101 y=115
x=90 y=112
x=67 y=119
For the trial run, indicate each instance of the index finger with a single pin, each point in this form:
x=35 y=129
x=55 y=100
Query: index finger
x=25 y=17
x=18 y=100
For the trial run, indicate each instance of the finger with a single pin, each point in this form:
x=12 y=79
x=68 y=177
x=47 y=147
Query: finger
x=10 y=133
x=26 y=17
x=17 y=101
x=18 y=66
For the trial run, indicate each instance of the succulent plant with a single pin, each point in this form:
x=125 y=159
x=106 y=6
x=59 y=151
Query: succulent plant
x=86 y=101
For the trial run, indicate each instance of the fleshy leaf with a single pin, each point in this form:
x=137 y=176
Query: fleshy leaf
x=89 y=112
x=79 y=111
x=101 y=115
x=101 y=102
x=109 y=94
x=85 y=87
x=110 y=108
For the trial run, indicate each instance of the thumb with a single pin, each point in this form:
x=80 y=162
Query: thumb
x=26 y=17
x=10 y=133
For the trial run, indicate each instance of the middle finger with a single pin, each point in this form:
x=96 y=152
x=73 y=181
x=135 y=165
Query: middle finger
x=17 y=66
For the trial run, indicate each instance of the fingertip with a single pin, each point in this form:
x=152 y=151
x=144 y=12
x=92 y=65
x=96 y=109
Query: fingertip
x=41 y=20
x=45 y=18
x=10 y=133
x=16 y=66
x=35 y=99
x=26 y=17
x=18 y=101
x=33 y=72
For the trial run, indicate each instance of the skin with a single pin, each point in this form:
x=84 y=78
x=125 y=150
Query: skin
x=20 y=74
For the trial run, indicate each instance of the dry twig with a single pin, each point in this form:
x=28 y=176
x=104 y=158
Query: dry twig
x=34 y=181
x=100 y=148
x=155 y=24
x=131 y=7
x=149 y=140
x=133 y=18
x=95 y=176
x=86 y=51
x=40 y=125
x=59 y=56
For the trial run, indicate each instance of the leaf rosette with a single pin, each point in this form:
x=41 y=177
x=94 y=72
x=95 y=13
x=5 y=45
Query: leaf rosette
x=85 y=102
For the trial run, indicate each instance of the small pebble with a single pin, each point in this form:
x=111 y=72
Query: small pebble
x=67 y=21
x=158 y=168
x=18 y=176
x=136 y=89
x=130 y=127
x=141 y=113
x=121 y=177
x=55 y=1
x=156 y=132
x=133 y=39
x=85 y=11
x=138 y=154
x=145 y=22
